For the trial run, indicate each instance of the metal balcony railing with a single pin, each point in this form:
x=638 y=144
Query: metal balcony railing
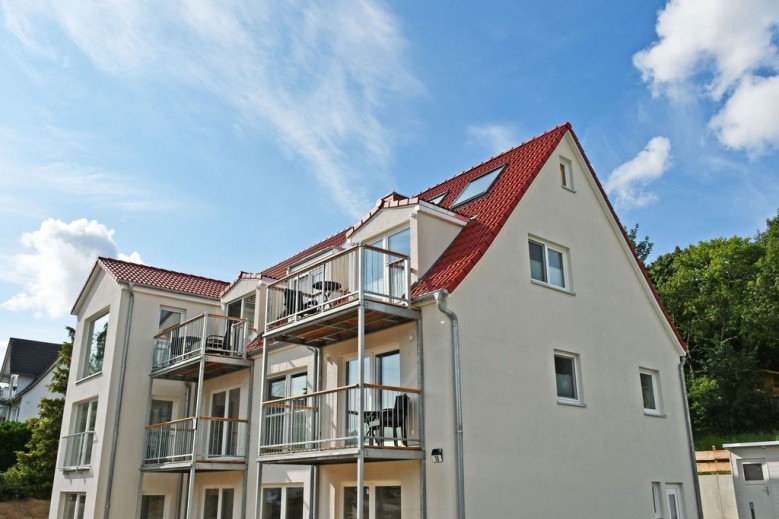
x=328 y=420
x=187 y=439
x=6 y=393
x=362 y=271
x=78 y=450
x=207 y=333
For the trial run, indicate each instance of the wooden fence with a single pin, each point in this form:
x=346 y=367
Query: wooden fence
x=713 y=462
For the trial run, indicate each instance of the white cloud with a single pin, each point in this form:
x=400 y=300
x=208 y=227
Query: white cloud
x=495 y=137
x=716 y=48
x=63 y=255
x=320 y=73
x=628 y=181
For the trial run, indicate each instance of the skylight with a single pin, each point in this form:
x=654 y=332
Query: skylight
x=440 y=198
x=478 y=186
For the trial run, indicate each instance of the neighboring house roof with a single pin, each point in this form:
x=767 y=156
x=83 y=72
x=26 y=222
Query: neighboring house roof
x=29 y=387
x=30 y=358
x=161 y=278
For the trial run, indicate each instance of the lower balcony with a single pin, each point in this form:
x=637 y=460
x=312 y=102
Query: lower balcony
x=207 y=443
x=325 y=426
x=77 y=451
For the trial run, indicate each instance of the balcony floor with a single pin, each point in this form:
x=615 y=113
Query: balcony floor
x=187 y=369
x=340 y=323
x=206 y=465
x=345 y=455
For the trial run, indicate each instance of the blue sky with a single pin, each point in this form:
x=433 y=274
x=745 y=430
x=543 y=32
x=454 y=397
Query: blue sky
x=214 y=137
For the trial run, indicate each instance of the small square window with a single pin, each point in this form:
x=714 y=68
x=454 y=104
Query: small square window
x=650 y=391
x=753 y=471
x=566 y=173
x=547 y=264
x=567 y=378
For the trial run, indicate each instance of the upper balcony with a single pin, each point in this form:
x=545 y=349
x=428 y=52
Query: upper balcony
x=318 y=304
x=218 y=340
x=6 y=393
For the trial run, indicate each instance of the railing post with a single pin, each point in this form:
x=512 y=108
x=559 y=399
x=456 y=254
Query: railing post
x=407 y=280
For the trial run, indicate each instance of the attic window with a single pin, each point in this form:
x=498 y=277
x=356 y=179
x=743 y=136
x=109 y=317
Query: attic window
x=440 y=198
x=478 y=186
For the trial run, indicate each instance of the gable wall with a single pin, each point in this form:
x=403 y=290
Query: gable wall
x=521 y=444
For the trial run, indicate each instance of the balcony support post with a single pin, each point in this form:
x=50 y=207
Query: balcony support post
x=196 y=434
x=260 y=437
x=421 y=422
x=361 y=383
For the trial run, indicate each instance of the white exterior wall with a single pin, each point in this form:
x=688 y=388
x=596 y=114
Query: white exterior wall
x=27 y=404
x=524 y=452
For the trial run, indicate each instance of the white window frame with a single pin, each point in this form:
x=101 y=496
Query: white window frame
x=87 y=444
x=87 y=342
x=566 y=174
x=578 y=400
x=221 y=489
x=180 y=311
x=81 y=499
x=674 y=489
x=283 y=489
x=657 y=393
x=564 y=254
x=372 y=485
x=657 y=499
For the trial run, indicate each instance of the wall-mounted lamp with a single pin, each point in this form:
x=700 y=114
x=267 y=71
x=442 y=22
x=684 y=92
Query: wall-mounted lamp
x=438 y=455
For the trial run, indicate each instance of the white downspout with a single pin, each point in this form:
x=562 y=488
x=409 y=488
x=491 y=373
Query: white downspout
x=118 y=412
x=440 y=298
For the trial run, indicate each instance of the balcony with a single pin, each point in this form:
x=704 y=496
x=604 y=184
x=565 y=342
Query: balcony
x=6 y=393
x=324 y=427
x=210 y=443
x=78 y=451
x=217 y=339
x=318 y=305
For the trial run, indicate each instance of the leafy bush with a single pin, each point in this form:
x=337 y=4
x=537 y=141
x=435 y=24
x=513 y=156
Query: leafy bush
x=13 y=437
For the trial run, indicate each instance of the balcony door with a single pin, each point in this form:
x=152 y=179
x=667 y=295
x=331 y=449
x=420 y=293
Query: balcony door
x=379 y=502
x=223 y=430
x=382 y=369
x=287 y=421
x=384 y=273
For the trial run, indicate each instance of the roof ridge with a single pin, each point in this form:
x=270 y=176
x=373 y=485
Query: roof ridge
x=527 y=141
x=158 y=269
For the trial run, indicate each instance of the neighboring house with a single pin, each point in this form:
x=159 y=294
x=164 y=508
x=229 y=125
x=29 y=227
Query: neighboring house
x=26 y=373
x=489 y=347
x=755 y=469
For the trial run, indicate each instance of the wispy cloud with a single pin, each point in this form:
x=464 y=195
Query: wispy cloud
x=495 y=137
x=628 y=181
x=724 y=50
x=322 y=74
x=62 y=256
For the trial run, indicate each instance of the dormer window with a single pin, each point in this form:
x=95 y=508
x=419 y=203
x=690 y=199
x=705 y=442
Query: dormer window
x=478 y=186
x=566 y=174
x=440 y=198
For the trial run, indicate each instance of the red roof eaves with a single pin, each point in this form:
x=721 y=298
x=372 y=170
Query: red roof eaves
x=162 y=278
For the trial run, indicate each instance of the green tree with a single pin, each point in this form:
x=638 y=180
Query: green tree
x=33 y=473
x=643 y=247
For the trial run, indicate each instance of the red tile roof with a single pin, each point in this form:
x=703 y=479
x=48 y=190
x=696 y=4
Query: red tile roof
x=279 y=270
x=161 y=278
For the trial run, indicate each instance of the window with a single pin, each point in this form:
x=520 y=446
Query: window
x=386 y=271
x=438 y=199
x=566 y=174
x=243 y=308
x=650 y=391
x=282 y=503
x=161 y=411
x=547 y=264
x=379 y=502
x=382 y=369
x=753 y=471
x=478 y=186
x=287 y=423
x=170 y=317
x=73 y=506
x=674 y=495
x=78 y=445
x=223 y=437
x=93 y=358
x=218 y=503
x=153 y=507
x=566 y=367
x=657 y=502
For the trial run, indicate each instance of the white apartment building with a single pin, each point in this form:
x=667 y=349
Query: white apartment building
x=490 y=347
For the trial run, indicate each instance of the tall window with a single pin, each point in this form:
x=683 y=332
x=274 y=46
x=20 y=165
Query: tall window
x=547 y=264
x=379 y=502
x=223 y=434
x=384 y=273
x=566 y=367
x=218 y=503
x=153 y=507
x=383 y=369
x=657 y=502
x=93 y=359
x=673 y=492
x=282 y=503
x=650 y=391
x=566 y=174
x=169 y=317
x=73 y=506
x=287 y=422
x=78 y=449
